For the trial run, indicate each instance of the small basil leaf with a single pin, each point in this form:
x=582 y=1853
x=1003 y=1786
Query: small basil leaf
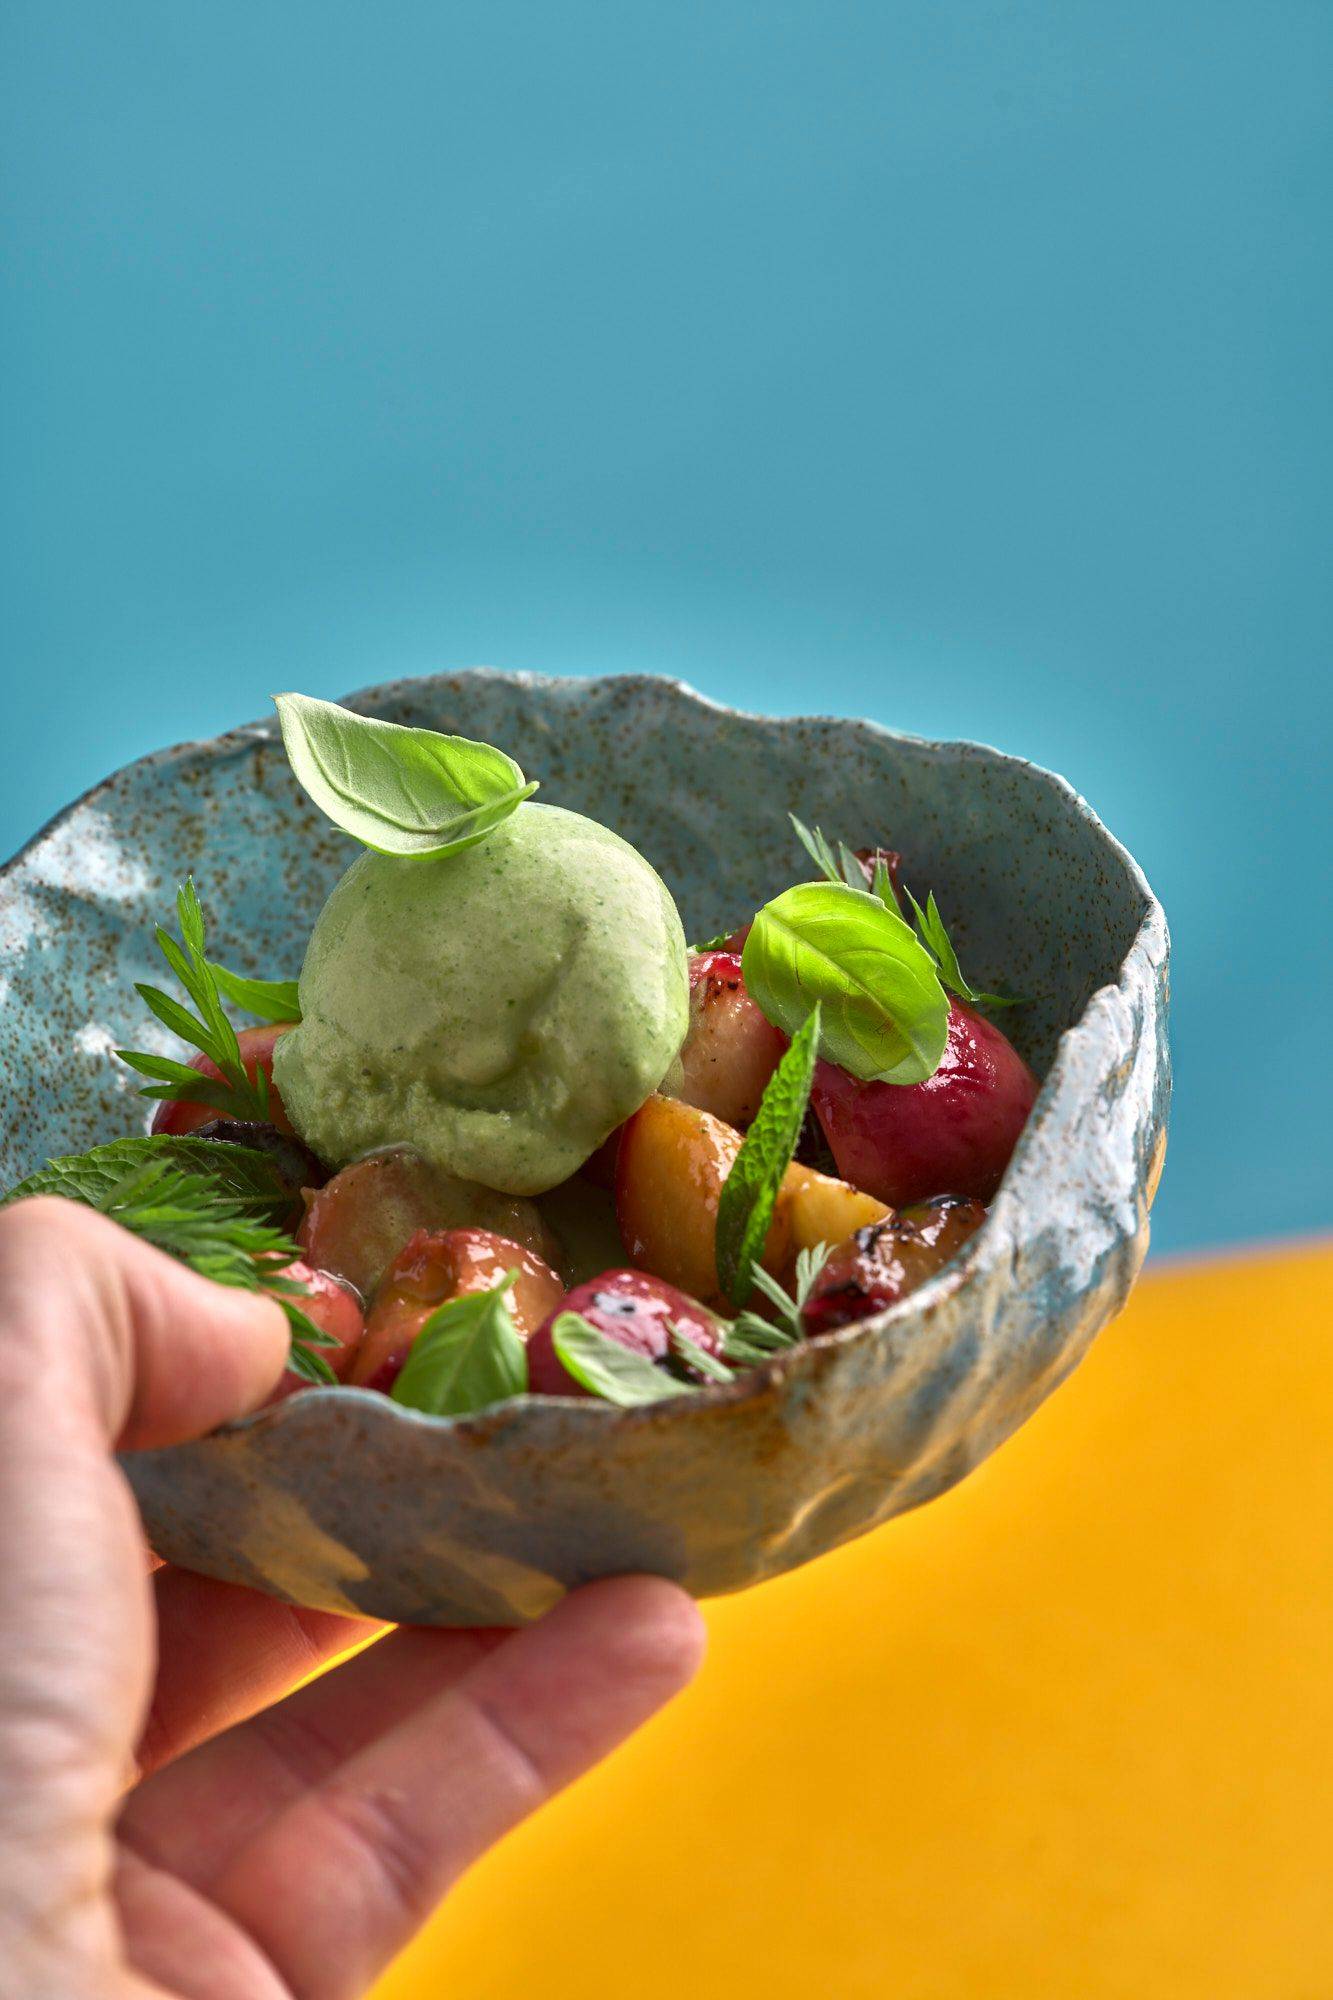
x=817 y=847
x=467 y=1356
x=750 y=1191
x=267 y=999
x=607 y=1369
x=885 y=1014
x=400 y=791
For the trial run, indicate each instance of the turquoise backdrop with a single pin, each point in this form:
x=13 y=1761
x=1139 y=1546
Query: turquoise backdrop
x=962 y=363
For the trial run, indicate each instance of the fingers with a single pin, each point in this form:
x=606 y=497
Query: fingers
x=337 y=1883
x=195 y=1815
x=224 y=1653
x=101 y=1338
x=154 y=1352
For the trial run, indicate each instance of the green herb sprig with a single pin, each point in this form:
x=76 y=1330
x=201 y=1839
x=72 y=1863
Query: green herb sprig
x=239 y=1173
x=399 y=791
x=467 y=1355
x=750 y=1191
x=751 y=1340
x=192 y=1219
x=267 y=999
x=930 y=925
x=208 y=1030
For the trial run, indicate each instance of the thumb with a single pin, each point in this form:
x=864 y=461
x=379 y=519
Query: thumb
x=155 y=1353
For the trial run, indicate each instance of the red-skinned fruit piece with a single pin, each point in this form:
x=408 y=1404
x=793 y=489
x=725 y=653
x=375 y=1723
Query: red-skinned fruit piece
x=880 y=1265
x=634 y=1310
x=905 y=1142
x=731 y=1049
x=175 y=1115
x=335 y=1309
x=436 y=1265
x=357 y=1224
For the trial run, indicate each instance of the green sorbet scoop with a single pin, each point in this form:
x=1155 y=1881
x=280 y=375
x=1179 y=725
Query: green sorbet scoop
x=501 y=1009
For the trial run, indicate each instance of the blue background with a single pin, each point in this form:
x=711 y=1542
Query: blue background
x=963 y=365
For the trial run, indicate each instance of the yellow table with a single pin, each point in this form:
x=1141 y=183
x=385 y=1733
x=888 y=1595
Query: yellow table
x=1066 y=1734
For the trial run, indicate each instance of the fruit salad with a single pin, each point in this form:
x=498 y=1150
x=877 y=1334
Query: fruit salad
x=508 y=1134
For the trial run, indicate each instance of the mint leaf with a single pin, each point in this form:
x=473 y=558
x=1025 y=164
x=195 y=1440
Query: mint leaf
x=603 y=1366
x=266 y=999
x=400 y=791
x=467 y=1356
x=885 y=1015
x=745 y=1205
x=237 y=1172
x=936 y=939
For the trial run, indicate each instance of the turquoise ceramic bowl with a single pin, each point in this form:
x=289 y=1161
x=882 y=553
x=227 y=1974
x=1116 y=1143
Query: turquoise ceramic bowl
x=340 y=1498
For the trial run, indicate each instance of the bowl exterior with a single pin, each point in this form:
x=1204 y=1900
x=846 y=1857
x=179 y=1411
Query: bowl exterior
x=343 y=1500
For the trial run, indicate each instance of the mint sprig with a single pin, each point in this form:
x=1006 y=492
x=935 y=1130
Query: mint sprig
x=467 y=1356
x=751 y=1340
x=240 y=1173
x=207 y=1030
x=935 y=937
x=750 y=1191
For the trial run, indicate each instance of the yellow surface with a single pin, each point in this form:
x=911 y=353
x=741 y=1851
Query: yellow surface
x=1066 y=1734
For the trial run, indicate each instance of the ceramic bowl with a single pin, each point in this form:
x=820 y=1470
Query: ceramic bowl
x=340 y=1498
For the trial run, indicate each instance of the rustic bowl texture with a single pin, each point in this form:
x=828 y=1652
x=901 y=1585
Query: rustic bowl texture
x=340 y=1498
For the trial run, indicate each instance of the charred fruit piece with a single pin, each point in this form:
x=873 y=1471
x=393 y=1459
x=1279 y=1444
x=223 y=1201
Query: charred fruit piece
x=731 y=1049
x=357 y=1224
x=176 y=1115
x=880 y=1265
x=636 y=1311
x=904 y=1142
x=435 y=1265
x=336 y=1310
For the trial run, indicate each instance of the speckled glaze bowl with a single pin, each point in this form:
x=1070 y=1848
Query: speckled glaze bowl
x=340 y=1498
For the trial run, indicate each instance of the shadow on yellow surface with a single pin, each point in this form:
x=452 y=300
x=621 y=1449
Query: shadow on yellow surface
x=1065 y=1734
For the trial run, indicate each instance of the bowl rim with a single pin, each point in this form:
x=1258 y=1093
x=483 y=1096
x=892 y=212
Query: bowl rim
x=1149 y=946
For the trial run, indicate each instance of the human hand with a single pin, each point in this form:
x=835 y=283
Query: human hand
x=273 y=1844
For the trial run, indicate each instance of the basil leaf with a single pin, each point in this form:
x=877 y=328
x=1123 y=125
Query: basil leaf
x=885 y=1013
x=238 y=1172
x=267 y=999
x=750 y=1191
x=613 y=1372
x=467 y=1356
x=937 y=941
x=400 y=791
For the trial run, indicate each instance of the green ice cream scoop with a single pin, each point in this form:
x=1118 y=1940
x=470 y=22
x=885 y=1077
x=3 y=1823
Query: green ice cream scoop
x=501 y=1009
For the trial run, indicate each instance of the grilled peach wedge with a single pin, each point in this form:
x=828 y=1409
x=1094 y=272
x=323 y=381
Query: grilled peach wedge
x=673 y=1160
